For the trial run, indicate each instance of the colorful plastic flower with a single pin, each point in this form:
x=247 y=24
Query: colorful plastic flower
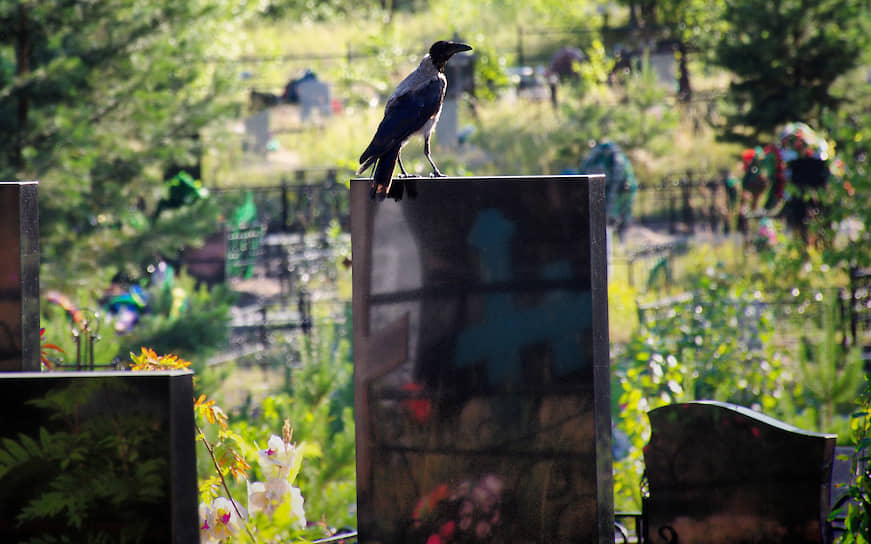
x=43 y=355
x=767 y=231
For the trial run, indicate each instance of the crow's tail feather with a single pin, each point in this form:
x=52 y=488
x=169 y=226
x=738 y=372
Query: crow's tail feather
x=383 y=175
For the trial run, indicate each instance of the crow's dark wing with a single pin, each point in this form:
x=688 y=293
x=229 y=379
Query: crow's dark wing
x=407 y=114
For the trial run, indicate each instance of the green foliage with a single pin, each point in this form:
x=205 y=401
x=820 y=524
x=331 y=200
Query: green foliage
x=318 y=10
x=786 y=56
x=59 y=331
x=829 y=375
x=179 y=318
x=183 y=319
x=319 y=405
x=844 y=226
x=701 y=346
x=489 y=73
x=636 y=115
x=99 y=100
x=858 y=522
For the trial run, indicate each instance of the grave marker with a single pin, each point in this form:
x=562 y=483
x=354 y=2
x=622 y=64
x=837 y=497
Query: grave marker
x=481 y=361
x=314 y=95
x=118 y=445
x=19 y=276
x=718 y=473
x=257 y=132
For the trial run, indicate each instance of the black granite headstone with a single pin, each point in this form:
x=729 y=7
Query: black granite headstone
x=19 y=276
x=719 y=473
x=481 y=362
x=97 y=457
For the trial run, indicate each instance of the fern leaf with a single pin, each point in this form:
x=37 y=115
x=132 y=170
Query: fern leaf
x=6 y=460
x=30 y=445
x=15 y=449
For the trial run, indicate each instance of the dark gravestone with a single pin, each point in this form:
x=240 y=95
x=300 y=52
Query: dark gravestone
x=481 y=362
x=97 y=457
x=19 y=276
x=720 y=473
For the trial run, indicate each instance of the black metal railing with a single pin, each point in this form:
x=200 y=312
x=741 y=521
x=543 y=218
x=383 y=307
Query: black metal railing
x=305 y=201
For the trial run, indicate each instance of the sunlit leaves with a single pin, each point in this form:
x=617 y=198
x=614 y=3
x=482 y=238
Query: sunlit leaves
x=149 y=360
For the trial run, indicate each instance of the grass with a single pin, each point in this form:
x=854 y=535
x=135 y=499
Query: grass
x=511 y=136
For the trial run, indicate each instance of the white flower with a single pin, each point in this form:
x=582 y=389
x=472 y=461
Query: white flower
x=297 y=513
x=207 y=524
x=266 y=497
x=850 y=230
x=278 y=456
x=852 y=227
x=220 y=520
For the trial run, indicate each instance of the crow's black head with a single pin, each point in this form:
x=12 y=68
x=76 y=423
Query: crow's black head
x=442 y=51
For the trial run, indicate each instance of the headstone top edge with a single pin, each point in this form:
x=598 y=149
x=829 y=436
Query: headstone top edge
x=96 y=374
x=555 y=177
x=747 y=412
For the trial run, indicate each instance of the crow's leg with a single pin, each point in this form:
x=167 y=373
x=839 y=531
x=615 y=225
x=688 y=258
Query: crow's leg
x=435 y=170
x=402 y=168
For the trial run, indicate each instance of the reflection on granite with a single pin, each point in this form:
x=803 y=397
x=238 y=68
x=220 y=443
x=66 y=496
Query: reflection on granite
x=480 y=352
x=720 y=473
x=19 y=276
x=116 y=447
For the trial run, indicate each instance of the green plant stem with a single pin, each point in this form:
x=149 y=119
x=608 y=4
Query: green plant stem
x=211 y=451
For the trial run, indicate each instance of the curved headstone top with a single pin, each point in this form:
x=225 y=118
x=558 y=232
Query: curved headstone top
x=719 y=472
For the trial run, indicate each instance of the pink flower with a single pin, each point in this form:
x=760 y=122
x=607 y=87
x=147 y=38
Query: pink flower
x=447 y=530
x=482 y=530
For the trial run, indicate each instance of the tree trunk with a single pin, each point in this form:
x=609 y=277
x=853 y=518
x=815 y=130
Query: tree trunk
x=684 y=90
x=23 y=48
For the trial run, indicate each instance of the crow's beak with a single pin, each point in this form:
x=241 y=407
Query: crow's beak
x=457 y=47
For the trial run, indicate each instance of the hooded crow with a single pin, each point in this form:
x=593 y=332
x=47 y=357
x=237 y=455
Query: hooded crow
x=413 y=107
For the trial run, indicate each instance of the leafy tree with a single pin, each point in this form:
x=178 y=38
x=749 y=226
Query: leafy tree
x=100 y=101
x=786 y=55
x=689 y=23
x=641 y=120
x=322 y=10
x=847 y=218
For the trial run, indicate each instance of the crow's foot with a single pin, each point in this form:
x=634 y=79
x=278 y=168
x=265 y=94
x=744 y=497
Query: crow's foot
x=437 y=174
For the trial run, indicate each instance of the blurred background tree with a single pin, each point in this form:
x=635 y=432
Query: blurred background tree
x=785 y=57
x=690 y=24
x=102 y=101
